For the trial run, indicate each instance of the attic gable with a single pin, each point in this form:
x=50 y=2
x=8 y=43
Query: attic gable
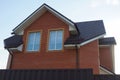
x=40 y=11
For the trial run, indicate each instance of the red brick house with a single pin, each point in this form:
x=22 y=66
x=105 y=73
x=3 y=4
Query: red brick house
x=48 y=40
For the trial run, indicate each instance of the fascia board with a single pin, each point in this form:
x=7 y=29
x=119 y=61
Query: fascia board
x=37 y=14
x=19 y=48
x=104 y=45
x=105 y=70
x=60 y=16
x=93 y=39
x=29 y=19
x=86 y=42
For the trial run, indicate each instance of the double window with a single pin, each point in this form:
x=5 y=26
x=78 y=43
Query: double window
x=33 y=41
x=55 y=40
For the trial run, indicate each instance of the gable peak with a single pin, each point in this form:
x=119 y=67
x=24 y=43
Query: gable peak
x=37 y=13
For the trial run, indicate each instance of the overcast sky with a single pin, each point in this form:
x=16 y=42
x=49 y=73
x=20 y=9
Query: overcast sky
x=12 y=12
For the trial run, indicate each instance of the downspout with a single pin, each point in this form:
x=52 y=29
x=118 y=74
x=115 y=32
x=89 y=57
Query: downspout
x=9 y=66
x=77 y=57
x=76 y=47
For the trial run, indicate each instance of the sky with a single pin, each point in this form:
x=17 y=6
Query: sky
x=12 y=12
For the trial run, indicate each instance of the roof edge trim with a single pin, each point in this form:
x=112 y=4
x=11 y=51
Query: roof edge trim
x=93 y=39
x=46 y=7
x=107 y=71
x=19 y=48
x=105 y=45
x=59 y=14
x=86 y=42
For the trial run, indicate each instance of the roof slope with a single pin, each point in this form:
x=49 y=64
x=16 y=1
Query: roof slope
x=107 y=41
x=37 y=13
x=13 y=42
x=88 y=30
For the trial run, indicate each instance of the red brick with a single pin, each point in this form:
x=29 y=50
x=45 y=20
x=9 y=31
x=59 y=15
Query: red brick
x=106 y=58
x=88 y=54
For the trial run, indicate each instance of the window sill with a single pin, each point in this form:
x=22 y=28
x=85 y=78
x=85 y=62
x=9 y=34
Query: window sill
x=55 y=50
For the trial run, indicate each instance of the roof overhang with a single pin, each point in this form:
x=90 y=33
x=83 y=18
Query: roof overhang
x=36 y=14
x=104 y=71
x=85 y=42
x=19 y=48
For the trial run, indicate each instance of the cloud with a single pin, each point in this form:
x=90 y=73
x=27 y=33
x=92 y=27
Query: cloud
x=97 y=3
x=112 y=2
x=94 y=4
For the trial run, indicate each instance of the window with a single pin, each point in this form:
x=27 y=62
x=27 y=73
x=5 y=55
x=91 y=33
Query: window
x=33 y=41
x=55 y=40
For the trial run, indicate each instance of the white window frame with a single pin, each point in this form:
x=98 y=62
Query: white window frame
x=56 y=31
x=33 y=46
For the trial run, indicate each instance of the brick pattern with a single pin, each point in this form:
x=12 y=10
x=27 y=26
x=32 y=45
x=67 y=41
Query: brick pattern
x=64 y=59
x=89 y=56
x=106 y=58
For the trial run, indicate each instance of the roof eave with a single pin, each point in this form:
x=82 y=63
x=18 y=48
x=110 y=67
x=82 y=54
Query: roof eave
x=86 y=42
x=93 y=39
x=106 y=45
x=106 y=70
x=37 y=14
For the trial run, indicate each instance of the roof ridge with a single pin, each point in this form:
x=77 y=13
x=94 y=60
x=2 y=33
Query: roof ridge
x=43 y=5
x=58 y=12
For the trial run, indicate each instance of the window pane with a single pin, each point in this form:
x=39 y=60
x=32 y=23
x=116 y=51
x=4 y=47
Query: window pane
x=52 y=40
x=37 y=41
x=33 y=41
x=30 y=42
x=59 y=38
x=55 y=40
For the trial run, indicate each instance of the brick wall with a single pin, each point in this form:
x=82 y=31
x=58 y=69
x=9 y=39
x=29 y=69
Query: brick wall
x=106 y=57
x=89 y=57
x=64 y=59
